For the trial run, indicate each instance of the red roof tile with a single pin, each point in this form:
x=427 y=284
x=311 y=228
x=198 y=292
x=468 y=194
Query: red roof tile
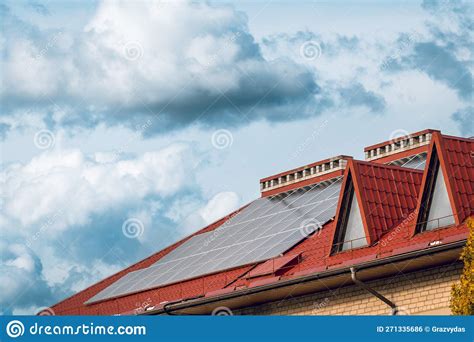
x=264 y=281
x=459 y=161
x=273 y=265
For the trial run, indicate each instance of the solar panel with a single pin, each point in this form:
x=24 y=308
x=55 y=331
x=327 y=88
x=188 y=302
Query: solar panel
x=266 y=228
x=417 y=162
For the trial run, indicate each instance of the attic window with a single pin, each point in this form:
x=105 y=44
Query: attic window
x=350 y=231
x=436 y=211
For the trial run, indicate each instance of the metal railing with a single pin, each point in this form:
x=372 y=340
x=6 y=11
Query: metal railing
x=350 y=244
x=436 y=223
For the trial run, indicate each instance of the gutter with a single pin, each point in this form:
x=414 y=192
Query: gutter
x=190 y=303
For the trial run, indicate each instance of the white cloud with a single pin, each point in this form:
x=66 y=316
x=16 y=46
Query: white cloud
x=191 y=217
x=62 y=214
x=74 y=186
x=21 y=281
x=139 y=58
x=219 y=206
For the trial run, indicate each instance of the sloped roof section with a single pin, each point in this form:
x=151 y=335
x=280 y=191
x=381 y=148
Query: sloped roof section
x=389 y=194
x=459 y=159
x=386 y=195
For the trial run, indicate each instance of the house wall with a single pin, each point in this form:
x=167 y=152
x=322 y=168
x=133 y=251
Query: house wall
x=424 y=292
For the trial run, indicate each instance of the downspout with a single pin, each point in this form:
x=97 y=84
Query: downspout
x=372 y=291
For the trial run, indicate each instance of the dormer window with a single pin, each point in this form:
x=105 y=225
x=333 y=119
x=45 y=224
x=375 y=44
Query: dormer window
x=350 y=231
x=436 y=210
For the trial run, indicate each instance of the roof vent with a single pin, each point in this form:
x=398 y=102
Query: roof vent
x=397 y=145
x=313 y=170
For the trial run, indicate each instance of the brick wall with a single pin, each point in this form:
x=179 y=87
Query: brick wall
x=423 y=292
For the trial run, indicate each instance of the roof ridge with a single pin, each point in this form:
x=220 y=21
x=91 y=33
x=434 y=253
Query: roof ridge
x=388 y=166
x=452 y=137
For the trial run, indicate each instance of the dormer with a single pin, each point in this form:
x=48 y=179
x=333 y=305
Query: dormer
x=375 y=198
x=446 y=195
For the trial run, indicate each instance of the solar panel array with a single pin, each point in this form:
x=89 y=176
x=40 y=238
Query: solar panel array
x=417 y=162
x=266 y=228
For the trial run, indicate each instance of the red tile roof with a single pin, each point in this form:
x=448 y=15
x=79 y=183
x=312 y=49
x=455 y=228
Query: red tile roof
x=388 y=194
x=390 y=198
x=459 y=162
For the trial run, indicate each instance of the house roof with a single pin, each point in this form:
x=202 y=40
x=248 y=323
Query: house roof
x=386 y=193
x=390 y=197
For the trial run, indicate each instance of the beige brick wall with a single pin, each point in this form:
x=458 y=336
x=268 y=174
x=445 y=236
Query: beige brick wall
x=424 y=292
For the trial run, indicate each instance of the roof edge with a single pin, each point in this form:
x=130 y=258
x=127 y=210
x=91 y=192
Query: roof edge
x=307 y=278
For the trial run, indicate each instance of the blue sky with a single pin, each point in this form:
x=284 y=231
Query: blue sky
x=128 y=125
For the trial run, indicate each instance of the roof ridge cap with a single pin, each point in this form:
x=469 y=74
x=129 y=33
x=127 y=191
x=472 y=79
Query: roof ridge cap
x=388 y=166
x=453 y=137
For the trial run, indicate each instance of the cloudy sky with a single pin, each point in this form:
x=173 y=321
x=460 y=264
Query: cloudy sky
x=128 y=125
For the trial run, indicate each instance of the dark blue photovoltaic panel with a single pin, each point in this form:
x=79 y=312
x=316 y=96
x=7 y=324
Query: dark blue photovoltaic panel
x=266 y=228
x=416 y=162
